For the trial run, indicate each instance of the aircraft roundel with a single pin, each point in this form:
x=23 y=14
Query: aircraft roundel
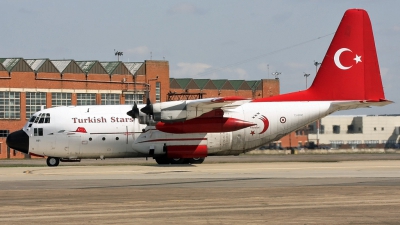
x=336 y=58
x=266 y=123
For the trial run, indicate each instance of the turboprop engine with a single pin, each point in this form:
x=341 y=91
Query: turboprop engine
x=180 y=117
x=176 y=111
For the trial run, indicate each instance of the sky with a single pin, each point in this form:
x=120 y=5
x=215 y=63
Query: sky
x=218 y=39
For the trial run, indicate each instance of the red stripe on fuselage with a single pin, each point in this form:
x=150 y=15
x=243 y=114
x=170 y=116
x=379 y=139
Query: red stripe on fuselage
x=176 y=139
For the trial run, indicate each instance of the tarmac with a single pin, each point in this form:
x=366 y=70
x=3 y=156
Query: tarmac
x=348 y=189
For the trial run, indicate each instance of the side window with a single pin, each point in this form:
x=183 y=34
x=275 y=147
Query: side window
x=38 y=132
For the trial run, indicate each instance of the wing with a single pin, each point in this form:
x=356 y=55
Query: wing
x=184 y=110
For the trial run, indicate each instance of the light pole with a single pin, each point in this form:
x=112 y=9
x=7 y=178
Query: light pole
x=276 y=74
x=118 y=54
x=148 y=86
x=316 y=64
x=306 y=75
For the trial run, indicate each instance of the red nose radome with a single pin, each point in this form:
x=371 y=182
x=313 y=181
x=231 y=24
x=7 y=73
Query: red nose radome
x=204 y=125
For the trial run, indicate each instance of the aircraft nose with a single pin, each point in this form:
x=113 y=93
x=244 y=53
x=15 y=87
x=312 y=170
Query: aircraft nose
x=18 y=140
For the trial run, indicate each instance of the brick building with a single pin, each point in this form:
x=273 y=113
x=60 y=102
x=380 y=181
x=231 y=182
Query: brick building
x=28 y=85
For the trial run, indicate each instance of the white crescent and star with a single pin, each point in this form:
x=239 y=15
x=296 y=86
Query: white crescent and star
x=336 y=59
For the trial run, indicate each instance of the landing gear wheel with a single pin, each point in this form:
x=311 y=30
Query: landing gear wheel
x=196 y=160
x=178 y=161
x=52 y=161
x=162 y=160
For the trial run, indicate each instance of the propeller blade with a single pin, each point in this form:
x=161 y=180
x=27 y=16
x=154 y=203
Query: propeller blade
x=148 y=109
x=134 y=112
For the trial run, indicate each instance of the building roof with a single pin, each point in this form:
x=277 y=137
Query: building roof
x=183 y=82
x=91 y=67
x=35 y=64
x=15 y=64
x=201 y=83
x=133 y=67
x=41 y=65
x=61 y=64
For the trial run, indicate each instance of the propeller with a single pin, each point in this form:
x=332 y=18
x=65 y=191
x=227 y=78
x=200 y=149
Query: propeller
x=134 y=112
x=148 y=109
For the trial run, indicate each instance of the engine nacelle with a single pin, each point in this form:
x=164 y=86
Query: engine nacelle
x=175 y=111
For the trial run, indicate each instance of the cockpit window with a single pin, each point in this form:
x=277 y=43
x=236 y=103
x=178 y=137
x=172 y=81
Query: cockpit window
x=41 y=118
x=37 y=118
x=32 y=119
x=47 y=118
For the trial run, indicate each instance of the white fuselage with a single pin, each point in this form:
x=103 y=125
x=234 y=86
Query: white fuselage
x=76 y=132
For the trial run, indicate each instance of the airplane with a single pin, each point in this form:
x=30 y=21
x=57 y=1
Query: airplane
x=181 y=132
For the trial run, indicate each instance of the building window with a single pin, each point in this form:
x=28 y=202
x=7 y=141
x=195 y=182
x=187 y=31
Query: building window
x=374 y=128
x=321 y=129
x=130 y=98
x=86 y=99
x=350 y=129
x=60 y=99
x=4 y=133
x=336 y=129
x=10 y=105
x=382 y=128
x=110 y=99
x=158 y=92
x=353 y=143
x=336 y=144
x=311 y=128
x=34 y=102
x=371 y=143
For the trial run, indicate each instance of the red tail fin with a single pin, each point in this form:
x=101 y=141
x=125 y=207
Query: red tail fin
x=350 y=69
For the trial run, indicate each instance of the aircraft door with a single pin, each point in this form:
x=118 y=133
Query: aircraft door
x=65 y=146
x=74 y=145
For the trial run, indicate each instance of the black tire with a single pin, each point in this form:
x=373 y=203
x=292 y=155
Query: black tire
x=196 y=160
x=179 y=161
x=52 y=161
x=162 y=160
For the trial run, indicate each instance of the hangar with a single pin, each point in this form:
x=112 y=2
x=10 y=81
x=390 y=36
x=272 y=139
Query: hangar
x=28 y=85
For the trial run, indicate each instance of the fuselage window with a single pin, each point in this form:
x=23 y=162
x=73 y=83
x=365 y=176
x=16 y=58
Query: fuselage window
x=38 y=132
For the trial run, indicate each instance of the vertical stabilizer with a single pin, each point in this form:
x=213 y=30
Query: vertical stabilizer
x=350 y=69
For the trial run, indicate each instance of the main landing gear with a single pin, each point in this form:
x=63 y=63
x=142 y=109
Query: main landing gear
x=165 y=160
x=53 y=161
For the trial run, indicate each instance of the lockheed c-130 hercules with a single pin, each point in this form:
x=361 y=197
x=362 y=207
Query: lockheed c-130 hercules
x=188 y=131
